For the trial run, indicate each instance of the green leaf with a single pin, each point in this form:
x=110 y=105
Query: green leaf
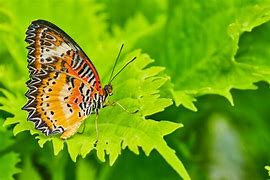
x=13 y=104
x=217 y=72
x=201 y=42
x=5 y=137
x=56 y=166
x=29 y=171
x=254 y=45
x=182 y=98
x=8 y=165
x=85 y=169
x=8 y=159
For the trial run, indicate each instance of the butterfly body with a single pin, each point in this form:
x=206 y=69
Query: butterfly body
x=64 y=86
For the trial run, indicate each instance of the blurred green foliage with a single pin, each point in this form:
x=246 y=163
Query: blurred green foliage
x=209 y=49
x=268 y=169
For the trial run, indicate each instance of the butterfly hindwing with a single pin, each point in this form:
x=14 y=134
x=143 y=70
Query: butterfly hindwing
x=63 y=81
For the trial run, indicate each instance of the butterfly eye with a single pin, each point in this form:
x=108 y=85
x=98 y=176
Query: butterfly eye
x=108 y=89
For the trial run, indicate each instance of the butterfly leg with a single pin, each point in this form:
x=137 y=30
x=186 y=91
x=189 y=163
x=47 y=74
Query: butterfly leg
x=96 y=125
x=117 y=103
x=83 y=128
x=96 y=121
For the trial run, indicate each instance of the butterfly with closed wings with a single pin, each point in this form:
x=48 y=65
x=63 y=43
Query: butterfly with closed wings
x=64 y=86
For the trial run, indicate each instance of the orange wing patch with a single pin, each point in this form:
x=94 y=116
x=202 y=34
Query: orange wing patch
x=64 y=85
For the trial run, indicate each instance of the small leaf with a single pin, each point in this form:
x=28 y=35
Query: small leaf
x=183 y=98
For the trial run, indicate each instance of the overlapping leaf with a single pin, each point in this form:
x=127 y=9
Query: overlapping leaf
x=198 y=45
x=219 y=72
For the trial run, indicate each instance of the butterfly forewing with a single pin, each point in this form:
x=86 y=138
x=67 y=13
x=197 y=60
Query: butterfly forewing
x=63 y=81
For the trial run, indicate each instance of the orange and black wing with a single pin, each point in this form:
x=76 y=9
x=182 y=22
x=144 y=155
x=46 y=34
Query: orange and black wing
x=62 y=80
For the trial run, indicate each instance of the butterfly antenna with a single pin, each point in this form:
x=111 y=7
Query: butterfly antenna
x=122 y=69
x=110 y=80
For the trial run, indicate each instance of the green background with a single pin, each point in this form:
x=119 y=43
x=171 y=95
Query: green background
x=216 y=56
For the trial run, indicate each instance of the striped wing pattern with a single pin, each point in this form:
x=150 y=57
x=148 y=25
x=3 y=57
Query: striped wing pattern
x=64 y=86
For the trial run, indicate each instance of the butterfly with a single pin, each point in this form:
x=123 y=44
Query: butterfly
x=64 y=86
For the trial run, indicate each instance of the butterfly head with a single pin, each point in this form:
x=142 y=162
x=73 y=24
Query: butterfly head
x=108 y=89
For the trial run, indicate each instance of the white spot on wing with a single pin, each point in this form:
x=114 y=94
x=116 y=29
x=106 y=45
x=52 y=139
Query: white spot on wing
x=56 y=50
x=84 y=90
